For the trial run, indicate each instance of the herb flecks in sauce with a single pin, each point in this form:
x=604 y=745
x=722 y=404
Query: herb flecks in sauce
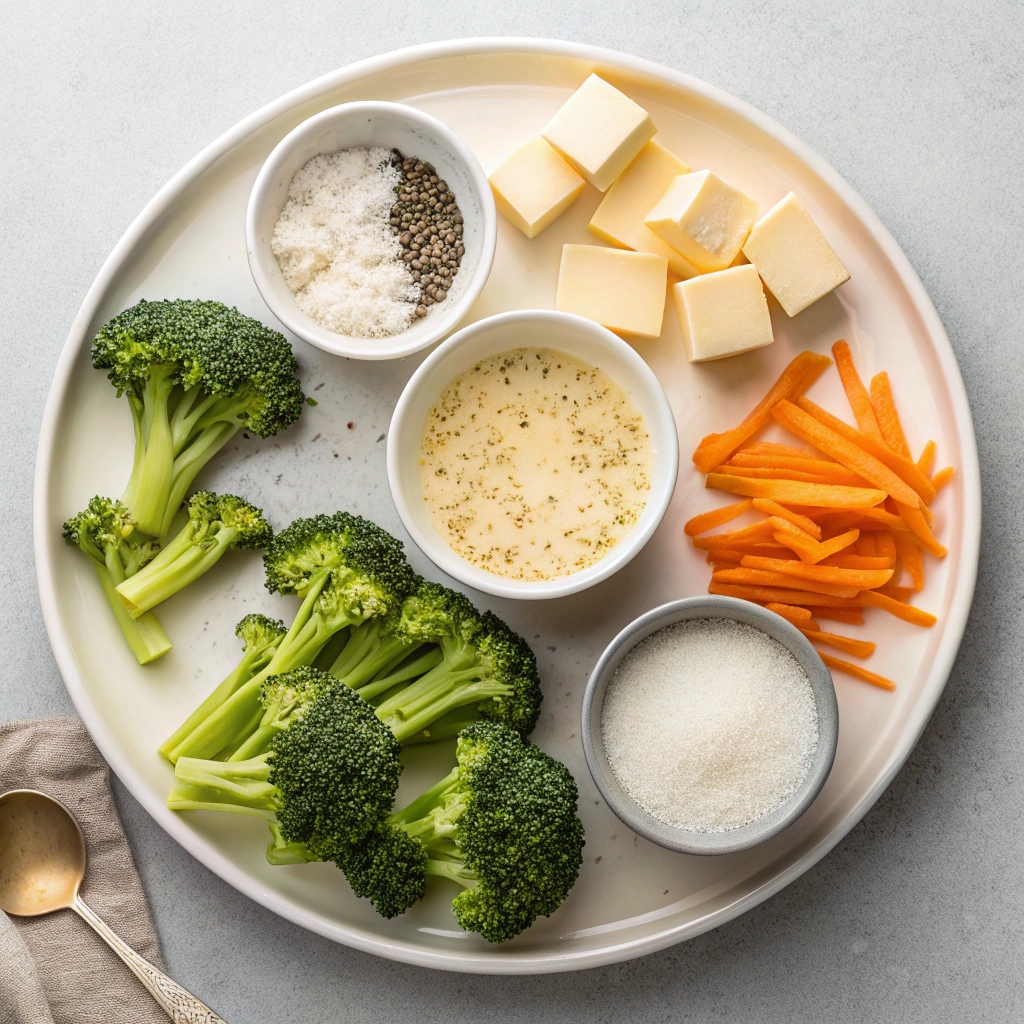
x=534 y=465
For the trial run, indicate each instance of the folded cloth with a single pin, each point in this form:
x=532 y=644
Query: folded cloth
x=83 y=980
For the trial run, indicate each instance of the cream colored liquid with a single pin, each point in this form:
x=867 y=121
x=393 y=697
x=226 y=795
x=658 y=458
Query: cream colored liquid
x=534 y=465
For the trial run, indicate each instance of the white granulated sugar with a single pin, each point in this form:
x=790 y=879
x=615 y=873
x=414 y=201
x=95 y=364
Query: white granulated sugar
x=336 y=248
x=710 y=724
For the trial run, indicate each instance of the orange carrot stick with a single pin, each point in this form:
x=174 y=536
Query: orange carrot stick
x=886 y=416
x=906 y=470
x=857 y=394
x=846 y=644
x=794 y=613
x=902 y=611
x=916 y=520
x=847 y=561
x=835 y=474
x=735 y=555
x=762 y=595
x=851 y=616
x=801 y=373
x=787 y=451
x=760 y=578
x=810 y=551
x=910 y=556
x=863 y=519
x=760 y=531
x=927 y=459
x=773 y=508
x=857 y=671
x=866 y=546
x=884 y=544
x=716 y=517
x=903 y=594
x=851 y=455
x=865 y=579
x=942 y=478
x=795 y=492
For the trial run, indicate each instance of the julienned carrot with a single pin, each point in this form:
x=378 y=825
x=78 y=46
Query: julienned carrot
x=716 y=517
x=762 y=531
x=903 y=594
x=791 y=611
x=910 y=556
x=762 y=595
x=915 y=519
x=851 y=455
x=797 y=493
x=801 y=373
x=835 y=474
x=773 y=508
x=865 y=579
x=903 y=611
x=810 y=551
x=884 y=544
x=851 y=616
x=866 y=546
x=942 y=478
x=927 y=459
x=785 y=450
x=906 y=470
x=847 y=561
x=857 y=671
x=856 y=393
x=734 y=556
x=846 y=644
x=863 y=519
x=759 y=578
x=886 y=416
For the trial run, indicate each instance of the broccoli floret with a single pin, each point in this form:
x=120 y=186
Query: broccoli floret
x=503 y=825
x=194 y=373
x=329 y=776
x=353 y=571
x=260 y=635
x=485 y=664
x=216 y=524
x=107 y=533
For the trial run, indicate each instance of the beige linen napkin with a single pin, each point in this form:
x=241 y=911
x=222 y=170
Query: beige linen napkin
x=83 y=980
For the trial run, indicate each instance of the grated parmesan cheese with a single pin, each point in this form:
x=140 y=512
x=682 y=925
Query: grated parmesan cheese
x=336 y=248
x=710 y=724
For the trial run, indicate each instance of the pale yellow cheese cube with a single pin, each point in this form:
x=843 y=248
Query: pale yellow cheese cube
x=722 y=314
x=599 y=130
x=704 y=218
x=620 y=217
x=791 y=255
x=534 y=185
x=623 y=291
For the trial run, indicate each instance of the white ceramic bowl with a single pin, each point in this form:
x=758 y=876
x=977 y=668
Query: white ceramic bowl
x=540 y=328
x=413 y=133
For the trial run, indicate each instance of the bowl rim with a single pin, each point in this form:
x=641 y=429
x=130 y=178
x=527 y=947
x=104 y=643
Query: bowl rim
x=627 y=809
x=293 y=318
x=631 y=544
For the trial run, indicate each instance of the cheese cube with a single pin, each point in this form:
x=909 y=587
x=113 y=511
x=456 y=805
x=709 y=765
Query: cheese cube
x=623 y=291
x=599 y=131
x=791 y=255
x=533 y=186
x=722 y=314
x=620 y=217
x=703 y=217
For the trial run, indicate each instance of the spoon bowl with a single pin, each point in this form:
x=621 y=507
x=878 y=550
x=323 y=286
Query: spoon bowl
x=42 y=854
x=42 y=865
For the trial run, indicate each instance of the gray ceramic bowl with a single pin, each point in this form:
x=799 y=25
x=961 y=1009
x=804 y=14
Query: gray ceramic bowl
x=735 y=840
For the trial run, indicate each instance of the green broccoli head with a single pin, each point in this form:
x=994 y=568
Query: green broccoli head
x=105 y=530
x=509 y=660
x=287 y=697
x=259 y=632
x=208 y=346
x=436 y=614
x=209 y=512
x=336 y=766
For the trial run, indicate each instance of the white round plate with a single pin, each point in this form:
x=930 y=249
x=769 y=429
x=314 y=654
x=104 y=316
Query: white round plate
x=632 y=897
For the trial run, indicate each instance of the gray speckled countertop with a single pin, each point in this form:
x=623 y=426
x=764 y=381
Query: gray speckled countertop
x=916 y=916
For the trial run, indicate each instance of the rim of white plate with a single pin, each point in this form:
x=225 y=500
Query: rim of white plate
x=507 y=962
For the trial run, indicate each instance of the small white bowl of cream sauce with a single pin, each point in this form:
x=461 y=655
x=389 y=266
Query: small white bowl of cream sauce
x=532 y=454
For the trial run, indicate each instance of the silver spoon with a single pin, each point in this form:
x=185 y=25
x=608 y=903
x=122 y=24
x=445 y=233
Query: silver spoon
x=42 y=864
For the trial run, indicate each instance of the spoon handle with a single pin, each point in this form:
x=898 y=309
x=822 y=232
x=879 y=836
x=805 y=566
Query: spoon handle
x=181 y=1006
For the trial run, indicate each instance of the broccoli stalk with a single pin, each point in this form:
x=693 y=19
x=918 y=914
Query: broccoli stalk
x=261 y=636
x=216 y=524
x=347 y=571
x=106 y=532
x=194 y=373
x=329 y=774
x=503 y=825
